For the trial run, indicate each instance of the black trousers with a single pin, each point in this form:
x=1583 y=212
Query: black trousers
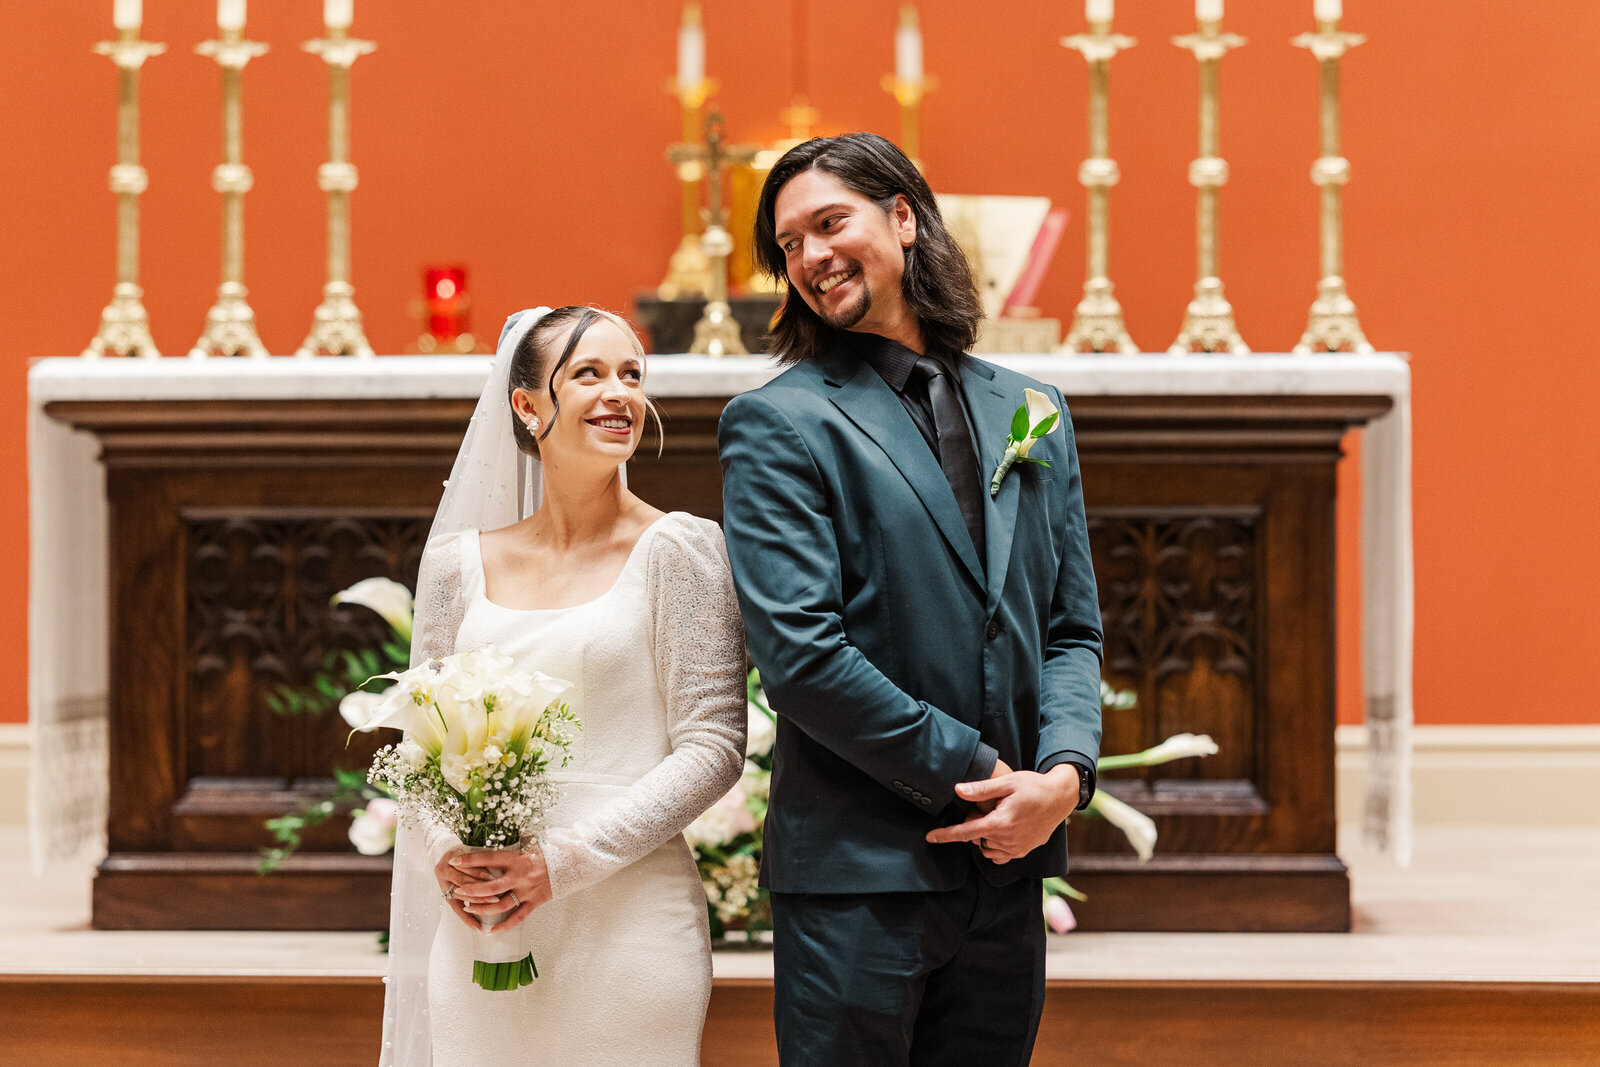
x=925 y=979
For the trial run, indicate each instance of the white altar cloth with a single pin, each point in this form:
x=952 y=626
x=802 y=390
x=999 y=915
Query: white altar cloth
x=68 y=576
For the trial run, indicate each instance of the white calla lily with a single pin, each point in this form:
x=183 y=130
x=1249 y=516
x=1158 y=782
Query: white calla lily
x=1039 y=409
x=389 y=599
x=1176 y=747
x=1036 y=418
x=1138 y=827
x=358 y=709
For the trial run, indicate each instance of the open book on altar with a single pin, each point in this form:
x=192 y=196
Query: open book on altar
x=1008 y=240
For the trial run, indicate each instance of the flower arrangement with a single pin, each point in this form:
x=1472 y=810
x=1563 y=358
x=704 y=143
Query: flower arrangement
x=727 y=839
x=1139 y=828
x=343 y=682
x=481 y=736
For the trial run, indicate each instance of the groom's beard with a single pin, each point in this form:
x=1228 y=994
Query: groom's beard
x=847 y=317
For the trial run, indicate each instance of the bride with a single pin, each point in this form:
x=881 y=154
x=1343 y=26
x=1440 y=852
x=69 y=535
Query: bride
x=540 y=549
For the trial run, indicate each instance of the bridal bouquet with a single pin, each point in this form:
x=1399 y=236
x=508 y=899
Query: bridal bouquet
x=480 y=738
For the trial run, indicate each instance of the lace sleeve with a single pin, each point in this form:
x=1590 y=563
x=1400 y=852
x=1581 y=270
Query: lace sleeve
x=440 y=607
x=700 y=666
x=439 y=603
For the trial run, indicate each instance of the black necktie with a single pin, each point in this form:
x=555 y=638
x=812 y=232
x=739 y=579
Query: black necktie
x=956 y=454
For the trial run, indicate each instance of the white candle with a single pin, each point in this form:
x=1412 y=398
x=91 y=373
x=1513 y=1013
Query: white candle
x=336 y=14
x=230 y=14
x=1208 y=10
x=1329 y=10
x=1098 y=10
x=127 y=14
x=691 y=48
x=908 y=48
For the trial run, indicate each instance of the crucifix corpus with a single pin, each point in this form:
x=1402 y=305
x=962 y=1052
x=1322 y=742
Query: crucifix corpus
x=716 y=334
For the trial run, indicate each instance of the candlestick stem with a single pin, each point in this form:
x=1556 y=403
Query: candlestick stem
x=1332 y=325
x=336 y=328
x=124 y=323
x=231 y=323
x=689 y=270
x=908 y=94
x=1097 y=324
x=1208 y=324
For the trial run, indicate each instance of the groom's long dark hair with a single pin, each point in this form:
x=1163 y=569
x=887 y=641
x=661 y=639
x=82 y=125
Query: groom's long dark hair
x=937 y=283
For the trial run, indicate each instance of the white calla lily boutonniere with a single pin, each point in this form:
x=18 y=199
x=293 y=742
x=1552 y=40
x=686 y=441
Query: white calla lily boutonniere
x=1036 y=417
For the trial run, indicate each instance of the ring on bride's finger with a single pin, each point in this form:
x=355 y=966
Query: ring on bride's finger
x=513 y=898
x=450 y=894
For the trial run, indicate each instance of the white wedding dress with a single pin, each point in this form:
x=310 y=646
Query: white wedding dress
x=623 y=950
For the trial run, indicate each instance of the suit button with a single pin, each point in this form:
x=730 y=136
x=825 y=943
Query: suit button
x=994 y=629
x=926 y=801
x=898 y=784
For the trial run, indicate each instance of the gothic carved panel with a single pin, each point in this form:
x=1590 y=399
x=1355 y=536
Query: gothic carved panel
x=258 y=616
x=1178 y=599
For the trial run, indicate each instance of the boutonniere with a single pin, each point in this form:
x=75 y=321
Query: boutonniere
x=1035 y=418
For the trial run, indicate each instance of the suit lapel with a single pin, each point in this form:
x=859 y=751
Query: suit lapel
x=991 y=420
x=869 y=403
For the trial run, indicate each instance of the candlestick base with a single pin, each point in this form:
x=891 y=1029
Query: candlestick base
x=230 y=327
x=336 y=326
x=124 y=326
x=688 y=271
x=1333 y=326
x=1208 y=323
x=717 y=333
x=1097 y=324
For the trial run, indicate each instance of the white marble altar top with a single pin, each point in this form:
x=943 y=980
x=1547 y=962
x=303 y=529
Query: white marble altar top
x=461 y=377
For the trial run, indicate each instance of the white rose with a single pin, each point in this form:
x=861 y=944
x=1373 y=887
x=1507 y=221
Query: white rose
x=371 y=835
x=762 y=731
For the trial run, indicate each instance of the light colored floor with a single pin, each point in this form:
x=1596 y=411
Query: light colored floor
x=1480 y=903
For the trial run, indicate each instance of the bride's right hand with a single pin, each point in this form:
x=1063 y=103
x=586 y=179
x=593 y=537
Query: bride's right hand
x=449 y=878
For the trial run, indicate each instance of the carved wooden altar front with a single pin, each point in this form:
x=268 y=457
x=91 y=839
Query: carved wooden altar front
x=233 y=521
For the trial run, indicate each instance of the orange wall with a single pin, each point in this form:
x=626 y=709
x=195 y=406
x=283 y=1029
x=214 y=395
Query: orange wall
x=525 y=139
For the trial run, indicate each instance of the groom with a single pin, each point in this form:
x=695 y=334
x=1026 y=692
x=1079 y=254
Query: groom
x=932 y=650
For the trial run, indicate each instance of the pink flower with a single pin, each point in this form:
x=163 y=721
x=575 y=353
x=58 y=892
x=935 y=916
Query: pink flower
x=1058 y=913
x=383 y=811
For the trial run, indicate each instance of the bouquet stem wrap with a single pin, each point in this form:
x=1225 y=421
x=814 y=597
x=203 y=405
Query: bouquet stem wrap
x=502 y=961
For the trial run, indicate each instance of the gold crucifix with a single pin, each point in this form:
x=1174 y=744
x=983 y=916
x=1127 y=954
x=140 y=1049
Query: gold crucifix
x=716 y=334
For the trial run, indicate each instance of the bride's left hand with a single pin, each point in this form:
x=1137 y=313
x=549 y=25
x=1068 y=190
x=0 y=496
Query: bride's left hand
x=524 y=879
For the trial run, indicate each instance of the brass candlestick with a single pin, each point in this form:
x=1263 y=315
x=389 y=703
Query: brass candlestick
x=717 y=333
x=1097 y=324
x=231 y=324
x=124 y=324
x=909 y=94
x=336 y=324
x=1333 y=326
x=1208 y=322
x=689 y=270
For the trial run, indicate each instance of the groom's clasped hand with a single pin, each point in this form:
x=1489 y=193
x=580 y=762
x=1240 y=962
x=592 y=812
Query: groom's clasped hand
x=1014 y=812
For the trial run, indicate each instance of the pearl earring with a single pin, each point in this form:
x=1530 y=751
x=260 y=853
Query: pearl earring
x=533 y=424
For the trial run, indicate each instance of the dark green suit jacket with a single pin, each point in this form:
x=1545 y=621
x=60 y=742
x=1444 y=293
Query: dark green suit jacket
x=886 y=648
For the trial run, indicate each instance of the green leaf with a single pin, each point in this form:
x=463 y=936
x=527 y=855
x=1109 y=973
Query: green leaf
x=1046 y=424
x=1019 y=423
x=1030 y=459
